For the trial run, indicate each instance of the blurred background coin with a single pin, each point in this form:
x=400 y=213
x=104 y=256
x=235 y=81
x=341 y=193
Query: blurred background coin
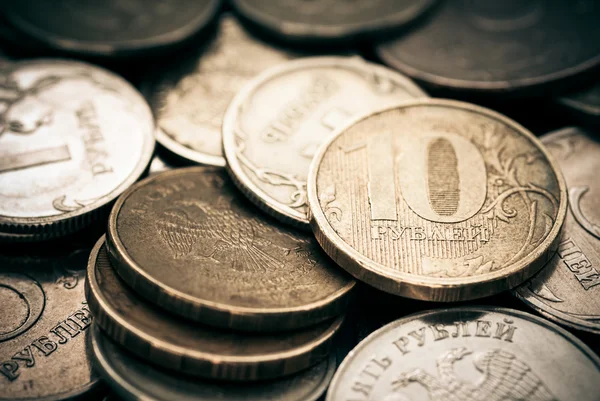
x=437 y=200
x=584 y=104
x=275 y=124
x=72 y=138
x=567 y=289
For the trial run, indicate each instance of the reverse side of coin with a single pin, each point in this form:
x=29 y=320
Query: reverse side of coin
x=134 y=380
x=72 y=138
x=437 y=200
x=567 y=289
x=584 y=104
x=508 y=47
x=468 y=354
x=274 y=126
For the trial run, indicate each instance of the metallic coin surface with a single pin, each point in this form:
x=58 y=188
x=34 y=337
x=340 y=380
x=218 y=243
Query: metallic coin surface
x=274 y=126
x=187 y=241
x=500 y=47
x=189 y=97
x=567 y=289
x=44 y=321
x=180 y=345
x=72 y=138
x=111 y=28
x=330 y=20
x=437 y=200
x=469 y=354
x=134 y=380
x=584 y=103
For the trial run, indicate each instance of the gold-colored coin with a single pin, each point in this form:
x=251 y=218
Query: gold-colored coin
x=436 y=200
x=191 y=348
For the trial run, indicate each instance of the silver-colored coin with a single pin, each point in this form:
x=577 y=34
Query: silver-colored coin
x=469 y=354
x=72 y=138
x=274 y=126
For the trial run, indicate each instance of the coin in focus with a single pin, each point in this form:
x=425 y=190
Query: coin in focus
x=501 y=48
x=583 y=104
x=72 y=138
x=567 y=289
x=190 y=96
x=469 y=354
x=274 y=126
x=180 y=345
x=437 y=200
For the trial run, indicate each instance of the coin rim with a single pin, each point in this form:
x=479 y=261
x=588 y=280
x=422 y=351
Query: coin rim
x=182 y=151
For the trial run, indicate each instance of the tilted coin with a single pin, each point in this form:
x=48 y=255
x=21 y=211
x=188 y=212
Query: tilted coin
x=188 y=242
x=584 y=104
x=190 y=96
x=134 y=380
x=469 y=354
x=437 y=200
x=274 y=126
x=500 y=47
x=72 y=138
x=567 y=289
x=177 y=344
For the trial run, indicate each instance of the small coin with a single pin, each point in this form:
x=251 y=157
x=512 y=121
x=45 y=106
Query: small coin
x=437 y=200
x=330 y=20
x=134 y=380
x=567 y=289
x=189 y=97
x=584 y=104
x=469 y=354
x=183 y=346
x=274 y=126
x=500 y=47
x=72 y=138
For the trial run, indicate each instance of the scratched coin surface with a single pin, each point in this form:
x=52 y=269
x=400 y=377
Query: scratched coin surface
x=500 y=47
x=44 y=324
x=584 y=104
x=469 y=354
x=567 y=289
x=72 y=138
x=134 y=380
x=181 y=345
x=274 y=126
x=190 y=96
x=437 y=200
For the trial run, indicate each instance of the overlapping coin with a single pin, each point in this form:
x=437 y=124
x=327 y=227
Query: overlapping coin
x=583 y=104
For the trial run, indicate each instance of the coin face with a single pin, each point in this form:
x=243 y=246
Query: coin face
x=186 y=347
x=274 y=126
x=72 y=138
x=585 y=104
x=468 y=354
x=189 y=97
x=44 y=324
x=330 y=20
x=436 y=200
x=134 y=380
x=567 y=289
x=507 y=47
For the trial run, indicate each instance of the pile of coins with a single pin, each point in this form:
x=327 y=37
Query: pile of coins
x=281 y=216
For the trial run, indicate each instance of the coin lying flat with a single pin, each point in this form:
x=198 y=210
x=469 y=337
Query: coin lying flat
x=274 y=126
x=134 y=380
x=584 y=104
x=468 y=354
x=507 y=47
x=189 y=97
x=187 y=241
x=72 y=138
x=436 y=200
x=567 y=289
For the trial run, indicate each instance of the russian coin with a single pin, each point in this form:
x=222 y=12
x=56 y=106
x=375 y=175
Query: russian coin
x=585 y=104
x=501 y=47
x=469 y=354
x=72 y=138
x=274 y=126
x=134 y=380
x=330 y=20
x=111 y=28
x=177 y=344
x=189 y=97
x=567 y=289
x=437 y=200
x=186 y=241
